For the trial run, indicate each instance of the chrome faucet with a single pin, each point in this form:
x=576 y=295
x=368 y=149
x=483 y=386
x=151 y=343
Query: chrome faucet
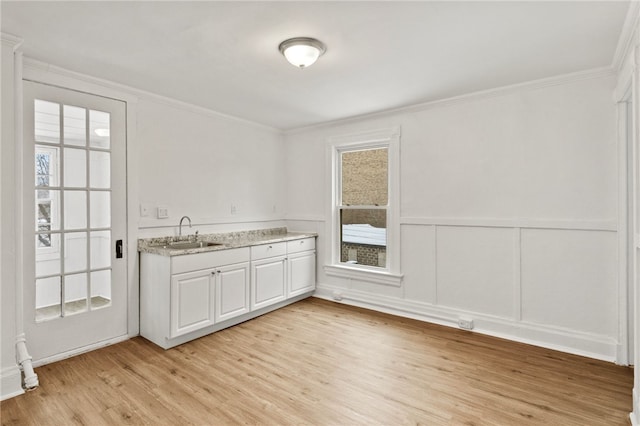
x=180 y=227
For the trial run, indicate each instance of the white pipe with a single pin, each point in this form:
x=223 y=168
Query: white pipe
x=30 y=378
x=24 y=361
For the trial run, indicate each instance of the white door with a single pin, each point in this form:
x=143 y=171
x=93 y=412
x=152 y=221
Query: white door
x=75 y=220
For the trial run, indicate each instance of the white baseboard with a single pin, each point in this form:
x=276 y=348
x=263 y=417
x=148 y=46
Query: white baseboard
x=634 y=416
x=10 y=383
x=78 y=351
x=556 y=338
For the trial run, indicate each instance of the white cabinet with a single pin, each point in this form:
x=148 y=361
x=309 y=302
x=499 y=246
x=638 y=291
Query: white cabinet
x=188 y=296
x=192 y=301
x=182 y=297
x=301 y=273
x=268 y=274
x=281 y=271
x=232 y=291
x=301 y=266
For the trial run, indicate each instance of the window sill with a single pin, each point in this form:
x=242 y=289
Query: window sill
x=366 y=275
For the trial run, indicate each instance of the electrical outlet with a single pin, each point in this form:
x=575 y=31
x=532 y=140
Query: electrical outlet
x=144 y=209
x=233 y=209
x=465 y=323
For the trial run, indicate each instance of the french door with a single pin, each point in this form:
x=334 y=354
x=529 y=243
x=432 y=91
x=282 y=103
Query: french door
x=74 y=187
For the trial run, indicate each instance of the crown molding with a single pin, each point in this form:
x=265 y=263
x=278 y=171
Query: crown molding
x=11 y=40
x=141 y=94
x=627 y=35
x=469 y=97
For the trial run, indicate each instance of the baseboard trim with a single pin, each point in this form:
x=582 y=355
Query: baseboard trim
x=555 y=338
x=10 y=382
x=634 y=416
x=166 y=343
x=78 y=351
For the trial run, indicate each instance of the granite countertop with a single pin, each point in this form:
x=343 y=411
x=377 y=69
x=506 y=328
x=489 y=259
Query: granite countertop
x=224 y=241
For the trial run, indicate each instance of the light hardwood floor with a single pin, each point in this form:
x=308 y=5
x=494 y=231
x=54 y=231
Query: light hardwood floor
x=321 y=363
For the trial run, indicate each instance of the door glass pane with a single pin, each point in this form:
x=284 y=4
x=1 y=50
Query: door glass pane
x=364 y=237
x=100 y=289
x=48 y=298
x=365 y=177
x=100 y=169
x=75 y=294
x=75 y=126
x=75 y=168
x=100 y=249
x=72 y=204
x=75 y=251
x=46 y=166
x=47 y=121
x=99 y=130
x=47 y=210
x=75 y=210
x=100 y=209
x=47 y=254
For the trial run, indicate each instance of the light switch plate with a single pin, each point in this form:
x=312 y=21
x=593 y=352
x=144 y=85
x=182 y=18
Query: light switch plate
x=163 y=212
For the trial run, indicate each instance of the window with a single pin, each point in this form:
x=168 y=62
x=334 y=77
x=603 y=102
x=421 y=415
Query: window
x=364 y=207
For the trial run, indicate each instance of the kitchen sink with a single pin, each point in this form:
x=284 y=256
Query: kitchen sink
x=184 y=245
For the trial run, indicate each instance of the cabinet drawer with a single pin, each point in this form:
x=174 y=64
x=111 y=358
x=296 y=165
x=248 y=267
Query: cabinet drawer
x=301 y=245
x=197 y=261
x=268 y=250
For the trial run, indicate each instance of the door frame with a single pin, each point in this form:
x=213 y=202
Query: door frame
x=39 y=72
x=627 y=226
x=625 y=96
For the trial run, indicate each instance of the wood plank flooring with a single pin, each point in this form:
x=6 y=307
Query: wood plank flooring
x=321 y=363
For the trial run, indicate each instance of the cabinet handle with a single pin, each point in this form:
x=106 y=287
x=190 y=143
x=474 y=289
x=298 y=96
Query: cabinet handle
x=270 y=247
x=213 y=272
x=218 y=272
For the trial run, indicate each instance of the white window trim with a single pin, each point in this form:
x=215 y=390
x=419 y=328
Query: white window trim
x=384 y=138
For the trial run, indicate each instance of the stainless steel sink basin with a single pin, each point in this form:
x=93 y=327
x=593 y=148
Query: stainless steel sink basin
x=184 y=245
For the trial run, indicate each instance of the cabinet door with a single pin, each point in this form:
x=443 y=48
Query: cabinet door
x=232 y=291
x=267 y=282
x=301 y=273
x=192 y=301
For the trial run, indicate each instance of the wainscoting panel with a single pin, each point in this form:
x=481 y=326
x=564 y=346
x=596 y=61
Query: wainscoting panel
x=550 y=286
x=418 y=263
x=475 y=269
x=569 y=279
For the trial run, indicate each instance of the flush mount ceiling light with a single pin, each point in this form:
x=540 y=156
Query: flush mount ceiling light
x=302 y=51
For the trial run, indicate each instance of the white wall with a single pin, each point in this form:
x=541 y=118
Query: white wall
x=10 y=381
x=508 y=212
x=200 y=165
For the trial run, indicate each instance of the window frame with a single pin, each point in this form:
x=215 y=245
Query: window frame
x=384 y=138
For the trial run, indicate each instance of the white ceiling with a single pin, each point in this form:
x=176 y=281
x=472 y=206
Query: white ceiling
x=380 y=55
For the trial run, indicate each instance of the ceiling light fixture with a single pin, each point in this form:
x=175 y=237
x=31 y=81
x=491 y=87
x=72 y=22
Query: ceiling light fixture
x=302 y=51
